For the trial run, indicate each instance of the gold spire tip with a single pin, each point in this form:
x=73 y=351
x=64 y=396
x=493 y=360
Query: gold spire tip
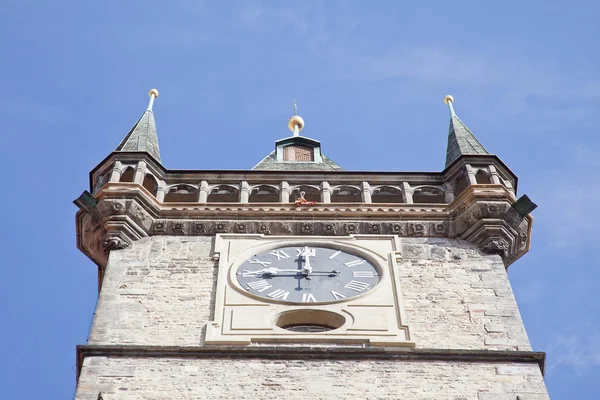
x=153 y=92
x=448 y=98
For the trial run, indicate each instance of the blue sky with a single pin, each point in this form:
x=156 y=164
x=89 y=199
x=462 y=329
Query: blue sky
x=369 y=78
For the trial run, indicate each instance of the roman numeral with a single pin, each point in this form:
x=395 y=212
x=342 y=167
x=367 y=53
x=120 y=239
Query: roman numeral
x=279 y=254
x=362 y=274
x=334 y=255
x=354 y=263
x=306 y=252
x=259 y=286
x=357 y=285
x=337 y=295
x=279 y=294
x=308 y=298
x=247 y=273
x=257 y=261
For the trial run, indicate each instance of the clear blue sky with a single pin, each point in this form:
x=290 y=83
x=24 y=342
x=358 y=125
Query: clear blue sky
x=369 y=78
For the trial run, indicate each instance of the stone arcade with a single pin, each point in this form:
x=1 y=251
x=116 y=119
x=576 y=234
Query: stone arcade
x=300 y=280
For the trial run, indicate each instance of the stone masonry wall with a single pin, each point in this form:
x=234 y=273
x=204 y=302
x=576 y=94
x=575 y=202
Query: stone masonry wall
x=174 y=379
x=160 y=292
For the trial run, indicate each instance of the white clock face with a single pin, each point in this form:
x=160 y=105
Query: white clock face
x=303 y=274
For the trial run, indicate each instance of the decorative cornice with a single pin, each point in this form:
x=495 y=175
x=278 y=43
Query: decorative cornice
x=309 y=353
x=481 y=215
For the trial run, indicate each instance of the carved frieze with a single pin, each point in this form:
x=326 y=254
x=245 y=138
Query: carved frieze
x=307 y=228
x=483 y=217
x=374 y=229
x=198 y=228
x=240 y=227
x=351 y=228
x=417 y=229
x=328 y=228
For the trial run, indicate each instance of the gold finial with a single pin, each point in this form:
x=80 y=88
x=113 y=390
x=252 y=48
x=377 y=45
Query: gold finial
x=153 y=93
x=449 y=100
x=296 y=123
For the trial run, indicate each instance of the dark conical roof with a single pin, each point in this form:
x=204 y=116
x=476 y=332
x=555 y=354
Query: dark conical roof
x=142 y=137
x=461 y=141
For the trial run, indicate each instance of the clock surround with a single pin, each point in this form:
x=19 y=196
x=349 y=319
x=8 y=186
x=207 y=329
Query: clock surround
x=375 y=317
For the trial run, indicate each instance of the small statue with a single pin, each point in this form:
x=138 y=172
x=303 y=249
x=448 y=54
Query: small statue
x=303 y=202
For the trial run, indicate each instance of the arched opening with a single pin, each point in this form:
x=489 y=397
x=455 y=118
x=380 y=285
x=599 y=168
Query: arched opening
x=387 y=194
x=150 y=184
x=482 y=177
x=181 y=193
x=264 y=194
x=310 y=321
x=128 y=175
x=460 y=184
x=310 y=193
x=346 y=194
x=428 y=194
x=223 y=194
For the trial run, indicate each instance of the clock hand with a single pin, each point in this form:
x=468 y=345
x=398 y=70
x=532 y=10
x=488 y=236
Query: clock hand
x=307 y=253
x=273 y=271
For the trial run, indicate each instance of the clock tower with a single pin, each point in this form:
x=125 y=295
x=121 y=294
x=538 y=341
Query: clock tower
x=297 y=279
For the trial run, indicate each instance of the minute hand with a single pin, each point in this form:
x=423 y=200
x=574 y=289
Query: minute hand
x=277 y=270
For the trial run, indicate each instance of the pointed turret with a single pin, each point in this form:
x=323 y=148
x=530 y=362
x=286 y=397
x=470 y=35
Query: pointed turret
x=143 y=137
x=461 y=140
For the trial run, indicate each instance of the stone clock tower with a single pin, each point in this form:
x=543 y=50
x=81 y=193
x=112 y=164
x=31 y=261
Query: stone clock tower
x=297 y=279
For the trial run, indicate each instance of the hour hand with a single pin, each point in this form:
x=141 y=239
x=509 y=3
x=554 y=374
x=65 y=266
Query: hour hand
x=270 y=271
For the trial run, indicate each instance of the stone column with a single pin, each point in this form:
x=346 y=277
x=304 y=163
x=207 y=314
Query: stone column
x=140 y=172
x=161 y=191
x=115 y=175
x=204 y=192
x=510 y=188
x=325 y=192
x=244 y=192
x=284 y=192
x=366 y=193
x=407 y=192
x=448 y=192
x=470 y=175
x=494 y=177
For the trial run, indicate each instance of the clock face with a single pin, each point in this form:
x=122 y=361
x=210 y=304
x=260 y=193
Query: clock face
x=303 y=274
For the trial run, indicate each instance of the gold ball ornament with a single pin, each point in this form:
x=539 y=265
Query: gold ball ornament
x=296 y=120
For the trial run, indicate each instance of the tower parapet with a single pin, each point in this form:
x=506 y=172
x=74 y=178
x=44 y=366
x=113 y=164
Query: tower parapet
x=471 y=199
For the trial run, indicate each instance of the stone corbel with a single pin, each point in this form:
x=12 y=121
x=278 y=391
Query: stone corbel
x=485 y=218
x=112 y=225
